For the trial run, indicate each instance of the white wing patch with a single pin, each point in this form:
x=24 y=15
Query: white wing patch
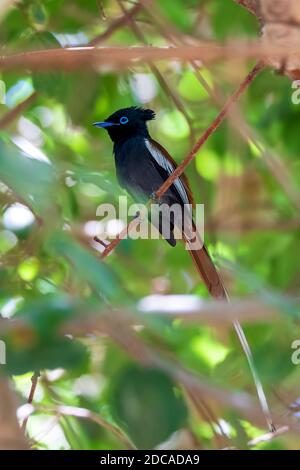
x=167 y=165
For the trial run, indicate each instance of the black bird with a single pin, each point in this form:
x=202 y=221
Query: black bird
x=142 y=166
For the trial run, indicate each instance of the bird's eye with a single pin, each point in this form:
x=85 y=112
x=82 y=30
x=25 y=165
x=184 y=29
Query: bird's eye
x=124 y=120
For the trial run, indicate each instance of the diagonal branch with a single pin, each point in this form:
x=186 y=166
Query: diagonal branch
x=14 y=113
x=83 y=413
x=34 y=382
x=213 y=127
x=117 y=24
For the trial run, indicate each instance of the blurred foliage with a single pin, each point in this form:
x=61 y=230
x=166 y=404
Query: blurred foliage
x=56 y=169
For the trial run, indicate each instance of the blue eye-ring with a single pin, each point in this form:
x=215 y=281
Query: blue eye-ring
x=124 y=120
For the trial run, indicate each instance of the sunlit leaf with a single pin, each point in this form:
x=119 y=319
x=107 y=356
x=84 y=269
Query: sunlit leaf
x=31 y=179
x=88 y=267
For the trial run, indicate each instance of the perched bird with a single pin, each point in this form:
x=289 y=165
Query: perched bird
x=142 y=166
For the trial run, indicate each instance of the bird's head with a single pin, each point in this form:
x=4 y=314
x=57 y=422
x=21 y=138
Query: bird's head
x=126 y=123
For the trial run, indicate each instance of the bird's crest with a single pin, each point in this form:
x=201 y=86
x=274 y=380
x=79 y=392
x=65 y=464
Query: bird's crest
x=146 y=114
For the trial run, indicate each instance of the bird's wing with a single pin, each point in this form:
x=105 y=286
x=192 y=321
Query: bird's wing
x=200 y=256
x=166 y=162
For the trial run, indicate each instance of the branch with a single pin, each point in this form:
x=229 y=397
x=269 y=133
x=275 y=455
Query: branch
x=117 y=24
x=14 y=113
x=188 y=308
x=112 y=245
x=34 y=382
x=268 y=437
x=192 y=309
x=81 y=413
x=276 y=165
x=213 y=127
x=84 y=58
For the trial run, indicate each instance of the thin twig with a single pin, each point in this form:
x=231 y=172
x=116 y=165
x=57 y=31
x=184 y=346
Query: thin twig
x=205 y=412
x=192 y=309
x=268 y=437
x=34 y=382
x=109 y=248
x=117 y=24
x=14 y=113
x=84 y=413
x=102 y=242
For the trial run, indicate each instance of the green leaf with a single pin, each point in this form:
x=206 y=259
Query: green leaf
x=50 y=84
x=38 y=14
x=93 y=270
x=51 y=354
x=145 y=402
x=31 y=179
x=46 y=314
x=230 y=19
x=177 y=12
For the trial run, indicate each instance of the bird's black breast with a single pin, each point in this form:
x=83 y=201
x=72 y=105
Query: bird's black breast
x=138 y=172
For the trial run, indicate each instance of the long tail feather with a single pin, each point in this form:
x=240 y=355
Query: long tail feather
x=208 y=273
x=212 y=279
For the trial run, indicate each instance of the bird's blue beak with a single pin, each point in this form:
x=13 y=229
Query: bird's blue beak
x=104 y=124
